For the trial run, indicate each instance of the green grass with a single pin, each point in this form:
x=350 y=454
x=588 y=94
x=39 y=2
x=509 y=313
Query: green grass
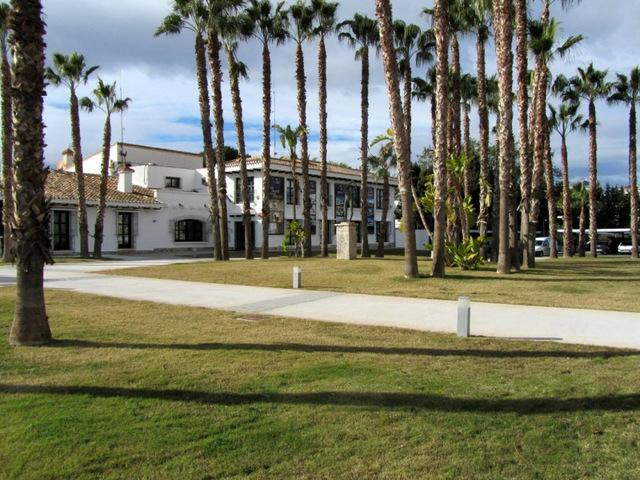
x=142 y=390
x=604 y=283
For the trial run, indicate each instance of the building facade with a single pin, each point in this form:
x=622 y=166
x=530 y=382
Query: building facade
x=159 y=201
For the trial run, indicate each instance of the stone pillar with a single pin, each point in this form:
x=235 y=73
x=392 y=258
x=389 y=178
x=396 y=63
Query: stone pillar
x=346 y=239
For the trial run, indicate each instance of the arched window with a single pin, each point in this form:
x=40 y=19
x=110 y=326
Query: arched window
x=188 y=231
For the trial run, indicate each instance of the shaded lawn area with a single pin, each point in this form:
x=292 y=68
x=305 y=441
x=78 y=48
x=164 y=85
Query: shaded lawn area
x=605 y=283
x=142 y=390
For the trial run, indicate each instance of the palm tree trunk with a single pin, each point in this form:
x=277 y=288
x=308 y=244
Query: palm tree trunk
x=383 y=12
x=304 y=150
x=30 y=222
x=440 y=161
x=324 y=187
x=7 y=156
x=266 y=146
x=213 y=48
x=566 y=200
x=483 y=114
x=523 y=130
x=583 y=226
x=364 y=151
x=236 y=101
x=633 y=180
x=551 y=205
x=382 y=233
x=503 y=18
x=407 y=104
x=593 y=180
x=209 y=154
x=456 y=126
x=102 y=199
x=77 y=162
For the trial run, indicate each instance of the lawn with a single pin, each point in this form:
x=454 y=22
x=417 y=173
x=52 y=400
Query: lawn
x=142 y=390
x=605 y=283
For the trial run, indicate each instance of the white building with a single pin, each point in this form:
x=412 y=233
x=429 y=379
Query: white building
x=160 y=201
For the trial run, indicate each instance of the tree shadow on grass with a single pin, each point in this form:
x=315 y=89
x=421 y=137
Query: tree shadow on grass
x=441 y=403
x=305 y=348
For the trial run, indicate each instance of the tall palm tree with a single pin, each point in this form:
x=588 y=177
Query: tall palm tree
x=325 y=15
x=7 y=132
x=481 y=21
x=440 y=160
x=218 y=14
x=385 y=22
x=268 y=25
x=302 y=20
x=237 y=71
x=580 y=200
x=289 y=139
x=30 y=233
x=192 y=15
x=590 y=85
x=468 y=95
x=71 y=71
x=109 y=103
x=503 y=17
x=627 y=91
x=564 y=120
x=361 y=33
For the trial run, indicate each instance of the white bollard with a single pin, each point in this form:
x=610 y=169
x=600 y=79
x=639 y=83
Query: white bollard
x=464 y=316
x=297 y=277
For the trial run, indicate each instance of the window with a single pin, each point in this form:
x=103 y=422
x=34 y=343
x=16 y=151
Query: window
x=188 y=231
x=61 y=230
x=379 y=195
x=238 y=190
x=124 y=231
x=172 y=182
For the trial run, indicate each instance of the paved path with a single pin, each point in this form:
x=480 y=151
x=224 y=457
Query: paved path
x=589 y=327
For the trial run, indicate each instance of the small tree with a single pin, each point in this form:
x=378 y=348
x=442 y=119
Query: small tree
x=107 y=101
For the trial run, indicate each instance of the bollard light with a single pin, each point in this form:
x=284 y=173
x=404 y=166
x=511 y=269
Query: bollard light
x=297 y=277
x=464 y=316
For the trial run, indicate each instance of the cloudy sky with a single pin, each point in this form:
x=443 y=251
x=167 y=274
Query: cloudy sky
x=158 y=74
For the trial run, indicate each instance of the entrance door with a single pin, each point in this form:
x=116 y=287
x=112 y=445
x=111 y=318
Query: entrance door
x=239 y=235
x=124 y=229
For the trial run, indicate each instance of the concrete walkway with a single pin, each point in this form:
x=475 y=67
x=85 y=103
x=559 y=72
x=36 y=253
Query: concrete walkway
x=588 y=327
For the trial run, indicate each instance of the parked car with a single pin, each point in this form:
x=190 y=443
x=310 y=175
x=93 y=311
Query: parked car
x=543 y=246
x=625 y=247
x=602 y=247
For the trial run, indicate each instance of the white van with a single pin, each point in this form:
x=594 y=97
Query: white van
x=543 y=246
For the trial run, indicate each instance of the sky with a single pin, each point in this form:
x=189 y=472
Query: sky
x=158 y=75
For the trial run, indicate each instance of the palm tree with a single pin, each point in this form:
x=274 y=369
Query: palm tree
x=268 y=25
x=503 y=21
x=580 y=199
x=564 y=120
x=237 y=71
x=482 y=9
x=468 y=95
x=543 y=44
x=302 y=20
x=192 y=15
x=289 y=139
x=71 y=71
x=627 y=91
x=108 y=102
x=7 y=132
x=440 y=160
x=423 y=89
x=325 y=14
x=30 y=233
x=218 y=14
x=385 y=22
x=362 y=33
x=381 y=166
x=590 y=84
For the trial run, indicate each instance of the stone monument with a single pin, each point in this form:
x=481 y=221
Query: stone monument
x=346 y=238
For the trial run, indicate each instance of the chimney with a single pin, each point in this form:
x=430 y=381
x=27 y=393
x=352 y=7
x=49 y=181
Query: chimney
x=66 y=161
x=125 y=179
